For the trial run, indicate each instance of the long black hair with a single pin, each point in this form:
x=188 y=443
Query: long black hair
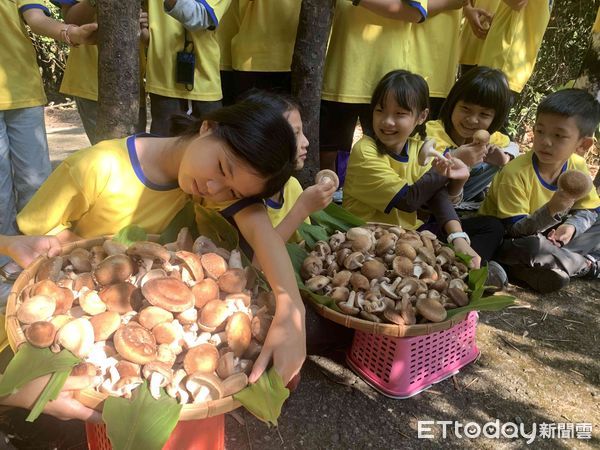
x=410 y=91
x=482 y=86
x=257 y=134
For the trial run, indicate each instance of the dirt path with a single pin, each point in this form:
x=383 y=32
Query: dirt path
x=539 y=363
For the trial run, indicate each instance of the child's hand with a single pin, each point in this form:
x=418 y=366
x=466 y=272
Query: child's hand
x=84 y=34
x=65 y=407
x=462 y=246
x=562 y=235
x=496 y=157
x=451 y=167
x=317 y=197
x=479 y=20
x=285 y=345
x=144 y=32
x=24 y=249
x=471 y=154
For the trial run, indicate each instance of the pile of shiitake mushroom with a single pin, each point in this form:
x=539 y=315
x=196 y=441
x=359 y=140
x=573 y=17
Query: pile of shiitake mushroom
x=186 y=316
x=387 y=274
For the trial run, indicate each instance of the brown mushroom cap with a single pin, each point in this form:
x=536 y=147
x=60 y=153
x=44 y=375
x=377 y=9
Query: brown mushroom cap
x=203 y=358
x=204 y=292
x=50 y=269
x=373 y=269
x=327 y=176
x=196 y=381
x=36 y=308
x=84 y=279
x=188 y=317
x=431 y=309
x=63 y=296
x=481 y=137
x=135 y=344
x=168 y=293
x=166 y=333
x=118 y=297
x=84 y=369
x=242 y=297
x=403 y=248
x=214 y=265
x=147 y=249
x=153 y=315
x=575 y=183
x=41 y=334
x=194 y=262
x=260 y=326
x=393 y=316
x=91 y=302
x=113 y=247
x=232 y=281
x=239 y=333
x=213 y=315
x=403 y=266
x=114 y=269
x=458 y=296
x=77 y=336
x=81 y=260
x=359 y=282
x=105 y=325
x=234 y=383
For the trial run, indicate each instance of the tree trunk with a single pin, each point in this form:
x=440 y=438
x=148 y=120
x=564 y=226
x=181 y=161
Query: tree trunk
x=118 y=68
x=589 y=76
x=307 y=74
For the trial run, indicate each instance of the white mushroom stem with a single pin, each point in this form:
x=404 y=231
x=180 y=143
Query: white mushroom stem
x=235 y=260
x=427 y=152
x=128 y=388
x=156 y=382
x=114 y=374
x=201 y=395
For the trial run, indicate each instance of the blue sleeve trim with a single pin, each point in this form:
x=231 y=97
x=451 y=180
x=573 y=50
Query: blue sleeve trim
x=420 y=8
x=270 y=203
x=232 y=210
x=514 y=219
x=401 y=193
x=22 y=9
x=211 y=13
x=65 y=2
x=446 y=151
x=137 y=168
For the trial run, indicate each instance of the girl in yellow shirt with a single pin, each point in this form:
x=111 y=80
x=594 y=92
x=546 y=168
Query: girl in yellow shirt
x=245 y=150
x=479 y=100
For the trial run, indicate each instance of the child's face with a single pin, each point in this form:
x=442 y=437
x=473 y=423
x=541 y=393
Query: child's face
x=293 y=117
x=556 y=138
x=467 y=118
x=210 y=169
x=393 y=124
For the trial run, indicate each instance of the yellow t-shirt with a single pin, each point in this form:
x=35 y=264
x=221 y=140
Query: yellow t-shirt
x=435 y=129
x=20 y=81
x=596 y=27
x=374 y=182
x=81 y=73
x=267 y=35
x=517 y=190
x=99 y=190
x=434 y=51
x=471 y=45
x=514 y=39
x=167 y=37
x=277 y=211
x=227 y=29
x=363 y=47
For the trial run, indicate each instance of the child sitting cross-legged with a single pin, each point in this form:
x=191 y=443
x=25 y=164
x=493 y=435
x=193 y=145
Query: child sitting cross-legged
x=552 y=234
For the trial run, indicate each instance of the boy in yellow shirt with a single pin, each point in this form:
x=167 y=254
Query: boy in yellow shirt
x=547 y=246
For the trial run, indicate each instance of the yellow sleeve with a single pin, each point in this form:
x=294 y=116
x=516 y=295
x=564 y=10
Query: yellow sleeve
x=499 y=139
x=435 y=129
x=371 y=179
x=24 y=5
x=58 y=204
x=420 y=5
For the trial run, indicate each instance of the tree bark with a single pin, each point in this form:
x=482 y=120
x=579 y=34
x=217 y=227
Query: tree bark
x=118 y=68
x=307 y=74
x=589 y=76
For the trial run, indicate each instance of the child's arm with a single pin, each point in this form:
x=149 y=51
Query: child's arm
x=479 y=20
x=286 y=341
x=576 y=224
x=25 y=249
x=78 y=13
x=65 y=407
x=40 y=23
x=455 y=170
x=396 y=9
x=192 y=14
x=461 y=244
x=541 y=220
x=313 y=199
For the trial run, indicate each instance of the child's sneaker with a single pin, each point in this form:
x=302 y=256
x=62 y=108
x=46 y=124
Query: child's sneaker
x=541 y=279
x=10 y=271
x=593 y=272
x=497 y=278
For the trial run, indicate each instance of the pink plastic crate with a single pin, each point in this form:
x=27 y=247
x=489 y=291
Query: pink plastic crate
x=403 y=367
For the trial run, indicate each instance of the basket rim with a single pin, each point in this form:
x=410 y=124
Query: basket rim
x=90 y=397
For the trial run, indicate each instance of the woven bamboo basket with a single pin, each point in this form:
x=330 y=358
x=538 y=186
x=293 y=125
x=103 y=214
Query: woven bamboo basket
x=386 y=329
x=90 y=397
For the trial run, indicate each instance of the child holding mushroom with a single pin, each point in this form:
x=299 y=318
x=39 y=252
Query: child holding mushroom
x=245 y=150
x=385 y=182
x=479 y=100
x=546 y=199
